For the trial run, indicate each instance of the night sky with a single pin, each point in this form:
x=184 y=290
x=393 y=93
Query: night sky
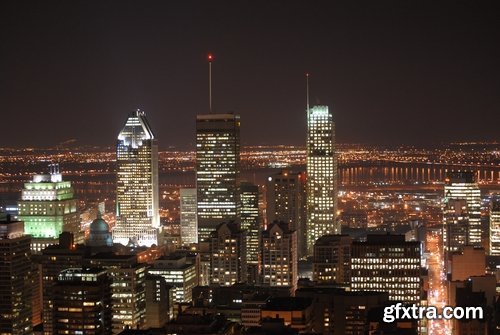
x=393 y=72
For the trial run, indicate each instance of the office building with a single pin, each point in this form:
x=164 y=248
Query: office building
x=137 y=200
x=455 y=225
x=15 y=278
x=217 y=170
x=332 y=260
x=158 y=304
x=279 y=256
x=321 y=176
x=463 y=185
x=56 y=258
x=128 y=288
x=189 y=220
x=251 y=223
x=495 y=227
x=227 y=259
x=178 y=272
x=286 y=202
x=387 y=263
x=48 y=207
x=82 y=303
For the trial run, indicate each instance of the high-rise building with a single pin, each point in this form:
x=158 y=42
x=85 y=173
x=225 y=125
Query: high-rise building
x=321 y=176
x=495 y=227
x=217 y=170
x=279 y=256
x=82 y=303
x=178 y=272
x=128 y=290
x=48 y=207
x=137 y=200
x=15 y=279
x=286 y=202
x=251 y=222
x=56 y=258
x=189 y=223
x=387 y=263
x=455 y=225
x=463 y=185
x=227 y=259
x=332 y=259
x=158 y=304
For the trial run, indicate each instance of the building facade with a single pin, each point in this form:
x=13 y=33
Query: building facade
x=455 y=225
x=332 y=259
x=217 y=170
x=286 y=202
x=251 y=221
x=279 y=256
x=463 y=185
x=227 y=259
x=387 y=263
x=189 y=221
x=82 y=304
x=15 y=278
x=495 y=227
x=137 y=199
x=48 y=207
x=321 y=176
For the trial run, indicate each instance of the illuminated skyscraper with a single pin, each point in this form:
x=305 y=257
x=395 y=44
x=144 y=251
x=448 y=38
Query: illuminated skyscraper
x=189 y=224
x=463 y=185
x=15 y=280
x=286 y=201
x=251 y=220
x=137 y=201
x=48 y=208
x=495 y=227
x=321 y=176
x=217 y=170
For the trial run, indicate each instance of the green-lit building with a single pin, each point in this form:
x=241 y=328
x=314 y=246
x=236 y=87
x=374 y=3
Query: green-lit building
x=48 y=208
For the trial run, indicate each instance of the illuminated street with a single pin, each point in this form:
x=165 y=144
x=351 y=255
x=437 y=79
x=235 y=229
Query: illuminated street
x=437 y=284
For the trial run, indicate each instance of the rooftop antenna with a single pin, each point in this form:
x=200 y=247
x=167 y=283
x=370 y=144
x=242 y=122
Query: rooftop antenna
x=210 y=57
x=307 y=92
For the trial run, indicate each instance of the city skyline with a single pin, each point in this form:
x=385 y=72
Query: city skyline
x=399 y=68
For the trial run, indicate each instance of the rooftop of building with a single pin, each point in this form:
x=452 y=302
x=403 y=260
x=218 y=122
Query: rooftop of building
x=288 y=304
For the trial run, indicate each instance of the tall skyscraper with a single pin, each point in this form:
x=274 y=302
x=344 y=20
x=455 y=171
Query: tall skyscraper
x=495 y=227
x=286 y=201
x=217 y=170
x=387 y=263
x=463 y=185
x=321 y=175
x=189 y=222
x=15 y=279
x=82 y=304
x=251 y=222
x=279 y=256
x=137 y=200
x=48 y=207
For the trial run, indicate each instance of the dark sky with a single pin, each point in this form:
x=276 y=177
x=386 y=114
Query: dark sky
x=394 y=72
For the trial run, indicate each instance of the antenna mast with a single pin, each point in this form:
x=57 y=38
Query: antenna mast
x=210 y=58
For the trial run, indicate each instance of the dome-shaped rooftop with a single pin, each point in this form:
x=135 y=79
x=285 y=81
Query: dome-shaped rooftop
x=99 y=225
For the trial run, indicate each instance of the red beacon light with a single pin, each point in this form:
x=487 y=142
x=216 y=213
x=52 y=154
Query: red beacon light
x=210 y=57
